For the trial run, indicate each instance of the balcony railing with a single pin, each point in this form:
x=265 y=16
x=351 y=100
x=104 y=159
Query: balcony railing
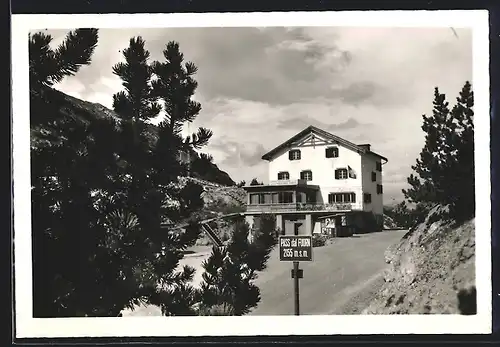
x=296 y=207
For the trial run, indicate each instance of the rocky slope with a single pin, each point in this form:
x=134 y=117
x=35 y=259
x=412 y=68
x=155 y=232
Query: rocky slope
x=389 y=223
x=219 y=200
x=431 y=270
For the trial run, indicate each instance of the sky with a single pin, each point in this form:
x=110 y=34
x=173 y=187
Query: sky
x=260 y=86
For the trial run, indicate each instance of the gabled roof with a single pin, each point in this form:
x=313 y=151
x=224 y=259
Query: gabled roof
x=315 y=130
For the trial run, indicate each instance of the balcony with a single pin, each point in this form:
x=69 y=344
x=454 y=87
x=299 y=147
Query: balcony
x=300 y=207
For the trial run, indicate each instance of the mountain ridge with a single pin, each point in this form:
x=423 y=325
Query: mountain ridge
x=59 y=105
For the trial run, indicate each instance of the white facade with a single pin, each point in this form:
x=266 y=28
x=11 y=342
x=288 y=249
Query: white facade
x=313 y=158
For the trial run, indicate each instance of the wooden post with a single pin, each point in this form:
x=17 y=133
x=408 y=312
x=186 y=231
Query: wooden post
x=296 y=287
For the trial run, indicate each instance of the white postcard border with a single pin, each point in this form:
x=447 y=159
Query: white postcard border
x=27 y=326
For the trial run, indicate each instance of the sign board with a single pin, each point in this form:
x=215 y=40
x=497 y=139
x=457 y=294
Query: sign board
x=295 y=248
x=327 y=225
x=288 y=182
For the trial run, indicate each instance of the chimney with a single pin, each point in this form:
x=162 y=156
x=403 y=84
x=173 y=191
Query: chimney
x=365 y=146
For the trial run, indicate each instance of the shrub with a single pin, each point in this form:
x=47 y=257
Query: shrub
x=319 y=240
x=217 y=310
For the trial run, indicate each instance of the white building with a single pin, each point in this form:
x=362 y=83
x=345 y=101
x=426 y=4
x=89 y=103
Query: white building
x=319 y=182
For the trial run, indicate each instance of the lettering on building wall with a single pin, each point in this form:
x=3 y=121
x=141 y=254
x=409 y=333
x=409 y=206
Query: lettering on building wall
x=321 y=207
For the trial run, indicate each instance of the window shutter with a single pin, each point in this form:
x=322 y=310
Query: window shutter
x=290 y=155
x=298 y=155
x=337 y=174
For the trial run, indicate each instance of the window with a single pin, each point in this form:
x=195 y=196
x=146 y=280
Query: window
x=367 y=198
x=311 y=197
x=379 y=166
x=294 y=154
x=279 y=198
x=254 y=199
x=332 y=152
x=341 y=174
x=285 y=197
x=283 y=175
x=276 y=198
x=334 y=198
x=374 y=176
x=268 y=198
x=300 y=197
x=379 y=189
x=262 y=198
x=306 y=175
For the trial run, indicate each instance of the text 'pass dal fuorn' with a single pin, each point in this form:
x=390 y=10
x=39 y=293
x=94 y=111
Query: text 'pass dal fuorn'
x=295 y=248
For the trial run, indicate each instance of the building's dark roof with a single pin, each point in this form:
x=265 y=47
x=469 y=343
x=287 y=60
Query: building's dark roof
x=312 y=129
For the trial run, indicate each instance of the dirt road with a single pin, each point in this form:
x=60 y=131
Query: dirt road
x=341 y=279
x=342 y=276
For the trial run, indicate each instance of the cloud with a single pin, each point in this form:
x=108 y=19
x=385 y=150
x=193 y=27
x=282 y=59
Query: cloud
x=300 y=123
x=260 y=86
x=358 y=92
x=237 y=154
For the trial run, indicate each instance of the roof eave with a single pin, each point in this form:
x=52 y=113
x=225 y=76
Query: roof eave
x=287 y=144
x=379 y=156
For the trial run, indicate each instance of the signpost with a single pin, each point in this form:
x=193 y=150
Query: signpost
x=296 y=248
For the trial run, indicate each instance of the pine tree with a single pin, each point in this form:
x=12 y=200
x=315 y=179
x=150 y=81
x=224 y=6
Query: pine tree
x=444 y=172
x=103 y=190
x=230 y=272
x=48 y=67
x=174 y=87
x=73 y=165
x=155 y=193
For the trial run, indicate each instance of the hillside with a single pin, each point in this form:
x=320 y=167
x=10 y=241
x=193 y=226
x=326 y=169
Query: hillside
x=218 y=201
x=431 y=270
x=57 y=107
